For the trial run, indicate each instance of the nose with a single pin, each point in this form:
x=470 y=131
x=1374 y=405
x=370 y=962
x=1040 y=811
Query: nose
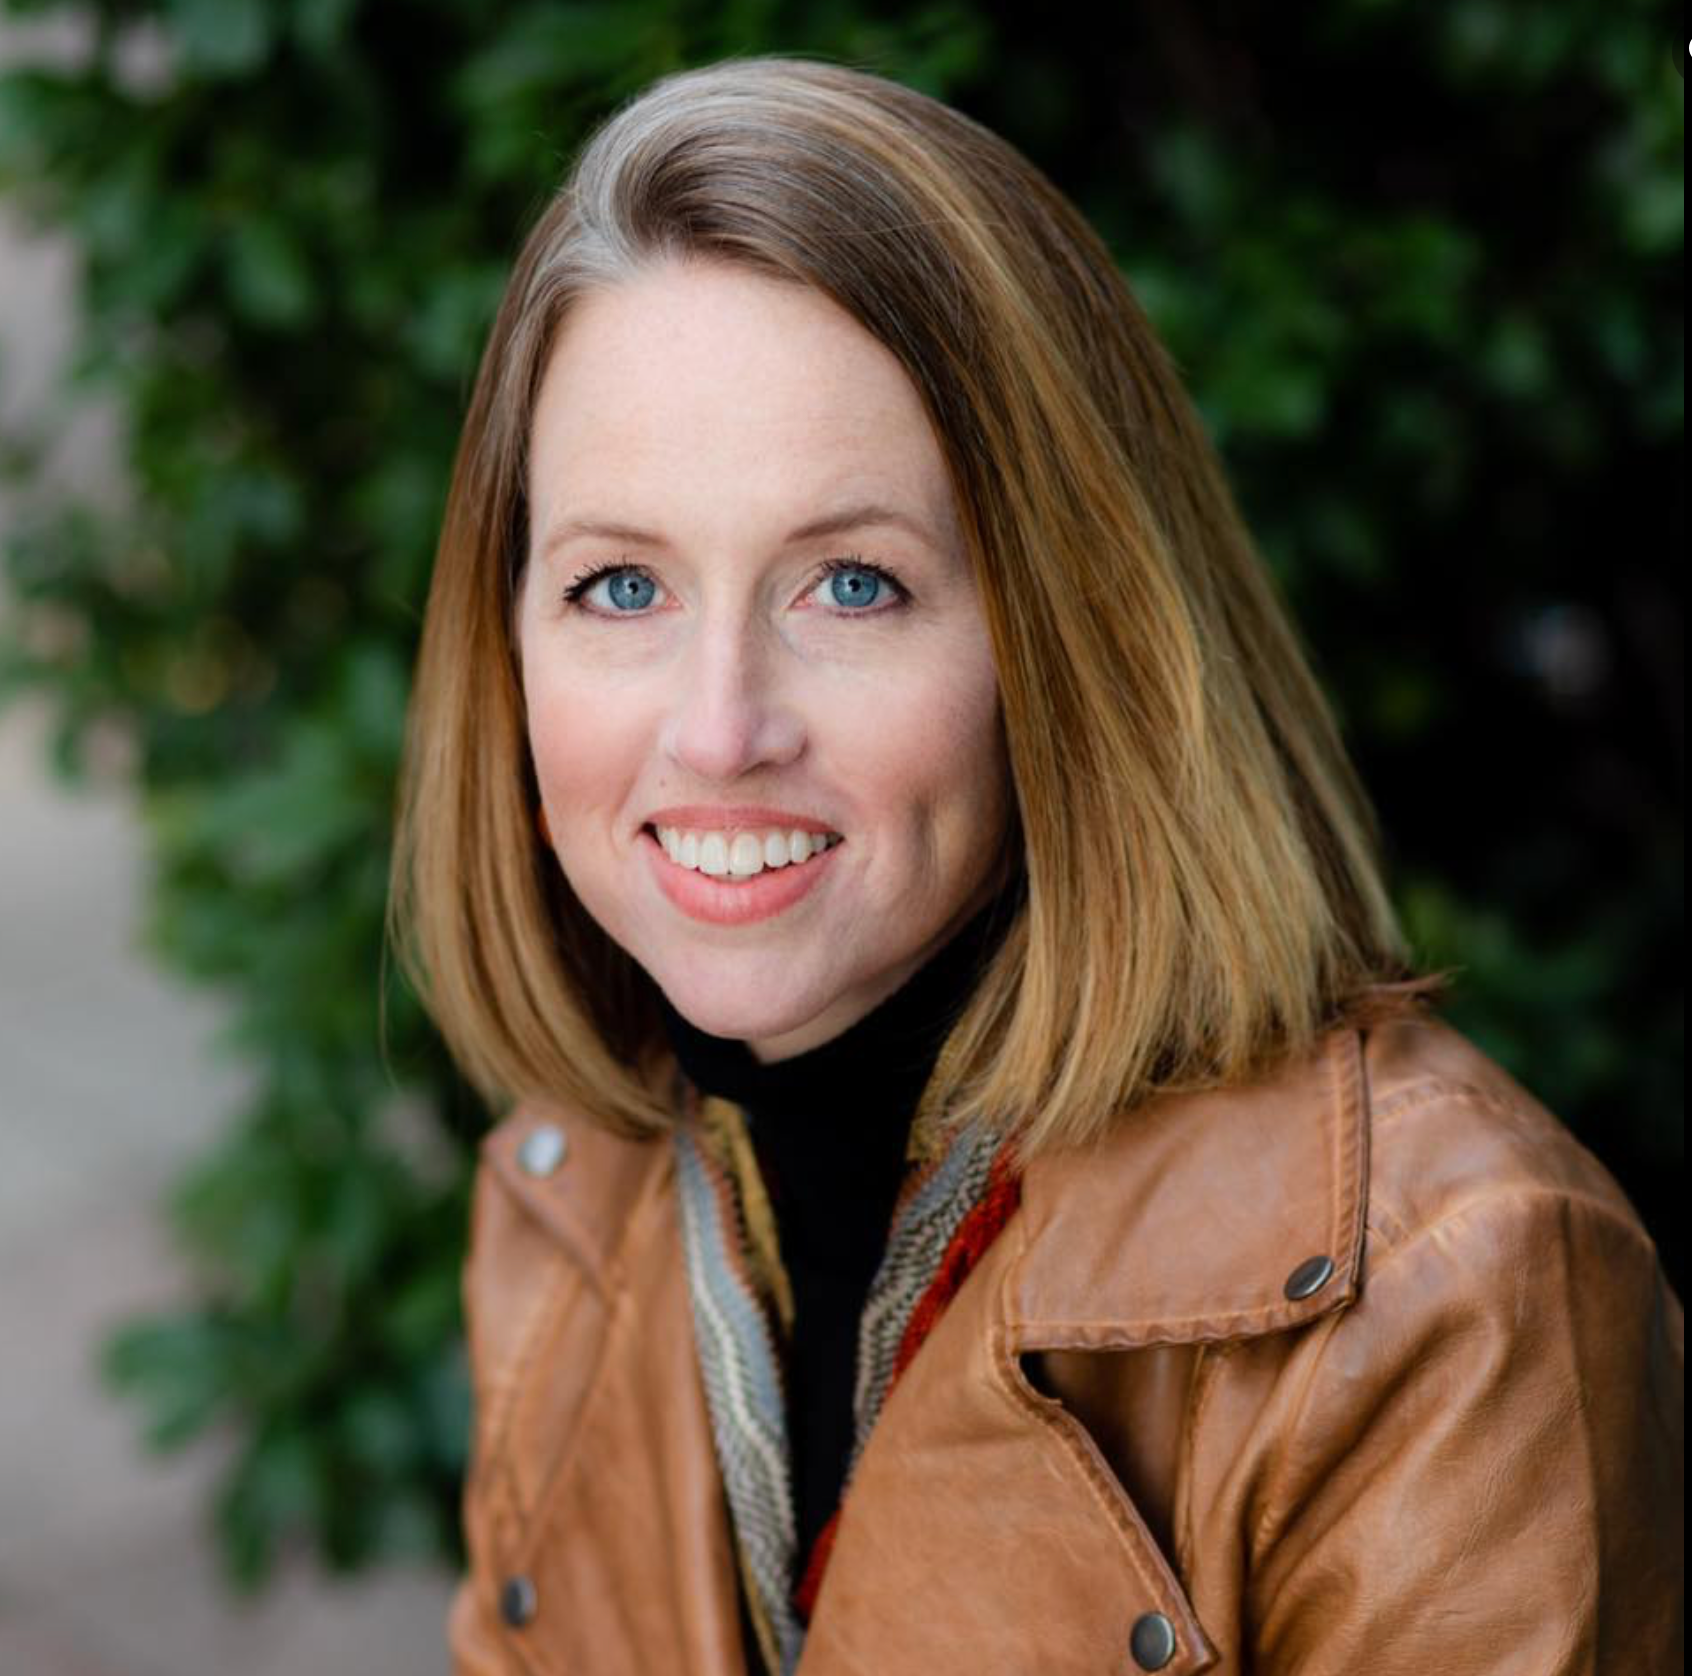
x=733 y=707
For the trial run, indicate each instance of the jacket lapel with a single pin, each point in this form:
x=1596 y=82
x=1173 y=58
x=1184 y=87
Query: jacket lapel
x=615 y=1517
x=984 y=1531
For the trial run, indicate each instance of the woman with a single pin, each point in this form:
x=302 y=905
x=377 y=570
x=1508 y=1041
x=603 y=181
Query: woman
x=986 y=1190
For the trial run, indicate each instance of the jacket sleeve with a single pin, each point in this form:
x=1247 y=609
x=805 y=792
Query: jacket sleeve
x=1485 y=1475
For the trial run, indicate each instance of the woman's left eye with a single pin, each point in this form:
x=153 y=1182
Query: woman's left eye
x=637 y=596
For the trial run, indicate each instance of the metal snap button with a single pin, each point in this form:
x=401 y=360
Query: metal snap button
x=517 y=1601
x=1310 y=1276
x=1152 y=1641
x=542 y=1150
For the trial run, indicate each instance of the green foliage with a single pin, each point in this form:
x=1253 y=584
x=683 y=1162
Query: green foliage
x=1433 y=323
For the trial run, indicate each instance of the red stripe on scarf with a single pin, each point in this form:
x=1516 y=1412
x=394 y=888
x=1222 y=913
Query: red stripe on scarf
x=974 y=1234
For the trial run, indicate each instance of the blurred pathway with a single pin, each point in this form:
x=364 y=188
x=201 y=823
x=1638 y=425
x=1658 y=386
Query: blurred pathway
x=105 y=1569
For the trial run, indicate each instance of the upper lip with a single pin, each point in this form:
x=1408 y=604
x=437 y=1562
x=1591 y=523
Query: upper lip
x=734 y=817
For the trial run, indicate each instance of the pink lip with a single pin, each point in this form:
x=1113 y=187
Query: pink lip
x=735 y=902
x=733 y=817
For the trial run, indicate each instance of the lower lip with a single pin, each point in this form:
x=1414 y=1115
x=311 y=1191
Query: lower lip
x=723 y=901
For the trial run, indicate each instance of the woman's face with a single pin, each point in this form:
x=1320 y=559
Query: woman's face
x=712 y=414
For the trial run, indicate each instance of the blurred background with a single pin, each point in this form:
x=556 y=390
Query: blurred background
x=1422 y=269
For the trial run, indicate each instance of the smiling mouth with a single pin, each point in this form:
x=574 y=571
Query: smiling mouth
x=757 y=861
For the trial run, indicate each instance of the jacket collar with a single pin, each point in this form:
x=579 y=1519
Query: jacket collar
x=1188 y=1222
x=1223 y=1214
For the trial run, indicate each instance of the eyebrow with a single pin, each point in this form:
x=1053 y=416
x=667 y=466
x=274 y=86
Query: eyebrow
x=860 y=515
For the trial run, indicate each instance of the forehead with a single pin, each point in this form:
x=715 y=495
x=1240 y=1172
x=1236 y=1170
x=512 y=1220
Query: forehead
x=711 y=385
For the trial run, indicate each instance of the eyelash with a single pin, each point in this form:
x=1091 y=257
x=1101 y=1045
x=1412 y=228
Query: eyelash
x=573 y=593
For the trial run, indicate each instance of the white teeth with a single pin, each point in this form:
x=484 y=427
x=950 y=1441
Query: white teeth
x=746 y=854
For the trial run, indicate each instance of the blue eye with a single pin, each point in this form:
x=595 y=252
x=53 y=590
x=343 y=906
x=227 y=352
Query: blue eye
x=836 y=568
x=626 y=589
x=630 y=585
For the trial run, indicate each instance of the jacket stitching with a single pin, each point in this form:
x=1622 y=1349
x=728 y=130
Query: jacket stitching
x=1345 y=1118
x=1520 y=1195
x=1179 y=1329
x=1056 y=1422
x=1425 y=1090
x=1352 y=1165
x=552 y=1487
x=1393 y=1231
x=1386 y=1228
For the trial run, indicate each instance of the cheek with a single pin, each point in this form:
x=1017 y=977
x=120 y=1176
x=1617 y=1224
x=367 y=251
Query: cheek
x=574 y=744
x=943 y=750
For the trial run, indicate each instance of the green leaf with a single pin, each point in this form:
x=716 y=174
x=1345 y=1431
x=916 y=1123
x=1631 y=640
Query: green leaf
x=269 y=278
x=217 y=38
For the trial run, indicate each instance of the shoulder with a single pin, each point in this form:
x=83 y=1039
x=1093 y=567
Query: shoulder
x=1491 y=1226
x=1489 y=1222
x=1500 y=1403
x=1380 y=1303
x=1454 y=1137
x=1249 y=1209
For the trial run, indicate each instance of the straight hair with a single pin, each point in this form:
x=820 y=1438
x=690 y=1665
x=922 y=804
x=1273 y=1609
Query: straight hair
x=1198 y=890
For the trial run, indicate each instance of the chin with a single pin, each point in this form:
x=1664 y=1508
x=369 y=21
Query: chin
x=740 y=1023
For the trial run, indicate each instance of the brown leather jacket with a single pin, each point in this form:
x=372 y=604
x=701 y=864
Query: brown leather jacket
x=1369 y=1368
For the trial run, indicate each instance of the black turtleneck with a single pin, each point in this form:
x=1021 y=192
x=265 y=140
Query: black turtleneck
x=830 y=1127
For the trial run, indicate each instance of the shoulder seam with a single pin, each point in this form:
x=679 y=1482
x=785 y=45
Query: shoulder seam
x=1425 y=1090
x=1489 y=1196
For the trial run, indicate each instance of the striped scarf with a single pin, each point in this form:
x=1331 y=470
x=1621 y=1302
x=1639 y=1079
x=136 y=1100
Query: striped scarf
x=958 y=1191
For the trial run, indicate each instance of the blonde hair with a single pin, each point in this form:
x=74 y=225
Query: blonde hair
x=1199 y=888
